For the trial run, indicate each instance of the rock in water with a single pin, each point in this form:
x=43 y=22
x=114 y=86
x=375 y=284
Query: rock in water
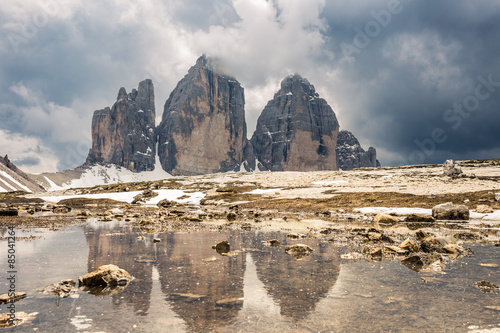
x=297 y=130
x=203 y=128
x=106 y=275
x=299 y=251
x=351 y=155
x=449 y=211
x=125 y=134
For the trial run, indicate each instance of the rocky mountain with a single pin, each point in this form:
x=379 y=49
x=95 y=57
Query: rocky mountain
x=203 y=129
x=125 y=134
x=351 y=155
x=13 y=179
x=297 y=130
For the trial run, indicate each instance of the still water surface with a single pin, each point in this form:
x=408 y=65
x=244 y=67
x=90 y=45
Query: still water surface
x=262 y=289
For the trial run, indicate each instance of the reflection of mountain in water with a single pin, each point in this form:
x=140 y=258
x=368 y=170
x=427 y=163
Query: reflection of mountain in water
x=120 y=247
x=184 y=270
x=296 y=285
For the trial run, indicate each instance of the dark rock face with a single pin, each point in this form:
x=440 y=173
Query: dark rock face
x=203 y=129
x=351 y=155
x=297 y=130
x=125 y=134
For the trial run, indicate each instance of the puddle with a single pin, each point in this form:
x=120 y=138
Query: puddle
x=183 y=285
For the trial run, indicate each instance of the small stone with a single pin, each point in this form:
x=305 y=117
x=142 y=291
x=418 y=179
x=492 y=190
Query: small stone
x=395 y=250
x=431 y=244
x=409 y=245
x=486 y=286
x=451 y=169
x=63 y=288
x=375 y=236
x=105 y=275
x=222 y=247
x=484 y=209
x=449 y=211
x=419 y=218
x=385 y=220
x=299 y=251
x=229 y=301
x=497 y=196
x=272 y=243
x=231 y=217
x=374 y=252
x=295 y=236
x=455 y=251
x=156 y=240
x=422 y=261
x=420 y=234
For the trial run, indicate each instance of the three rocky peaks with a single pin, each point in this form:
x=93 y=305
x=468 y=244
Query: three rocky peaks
x=203 y=129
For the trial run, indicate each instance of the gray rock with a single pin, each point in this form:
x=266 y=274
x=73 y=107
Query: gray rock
x=125 y=134
x=351 y=155
x=449 y=211
x=451 y=169
x=497 y=196
x=203 y=128
x=297 y=130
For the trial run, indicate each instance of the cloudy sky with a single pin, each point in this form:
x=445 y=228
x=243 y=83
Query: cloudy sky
x=419 y=80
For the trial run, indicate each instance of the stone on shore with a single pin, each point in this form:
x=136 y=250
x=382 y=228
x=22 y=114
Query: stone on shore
x=449 y=211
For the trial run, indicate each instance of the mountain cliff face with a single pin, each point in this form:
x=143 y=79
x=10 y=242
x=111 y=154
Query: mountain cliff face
x=13 y=179
x=125 y=134
x=297 y=130
x=203 y=129
x=351 y=155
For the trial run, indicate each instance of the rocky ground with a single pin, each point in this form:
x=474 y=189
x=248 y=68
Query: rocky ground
x=342 y=207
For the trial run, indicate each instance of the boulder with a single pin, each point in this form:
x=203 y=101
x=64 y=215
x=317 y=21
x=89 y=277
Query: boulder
x=431 y=245
x=106 y=275
x=144 y=196
x=297 y=130
x=449 y=211
x=299 y=251
x=484 y=209
x=385 y=220
x=451 y=169
x=222 y=247
x=419 y=218
x=423 y=261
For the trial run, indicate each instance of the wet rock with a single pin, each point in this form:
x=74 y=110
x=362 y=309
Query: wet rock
x=395 y=250
x=419 y=218
x=465 y=236
x=272 y=243
x=9 y=212
x=299 y=251
x=6 y=298
x=451 y=169
x=373 y=251
x=449 y=211
x=63 y=288
x=295 y=236
x=165 y=203
x=486 y=286
x=455 y=251
x=144 y=196
x=61 y=209
x=11 y=320
x=222 y=247
x=431 y=244
x=385 y=220
x=484 y=209
x=409 y=245
x=188 y=297
x=156 y=240
x=106 y=275
x=421 y=235
x=423 y=261
x=231 y=217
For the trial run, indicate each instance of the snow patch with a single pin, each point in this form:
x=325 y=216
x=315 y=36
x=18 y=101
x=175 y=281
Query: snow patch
x=6 y=175
x=262 y=191
x=53 y=186
x=2 y=189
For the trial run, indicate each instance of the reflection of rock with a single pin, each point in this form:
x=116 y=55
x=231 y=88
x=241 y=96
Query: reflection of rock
x=16 y=296
x=186 y=273
x=11 y=320
x=299 y=251
x=423 y=261
x=486 y=286
x=123 y=250
x=222 y=247
x=296 y=285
